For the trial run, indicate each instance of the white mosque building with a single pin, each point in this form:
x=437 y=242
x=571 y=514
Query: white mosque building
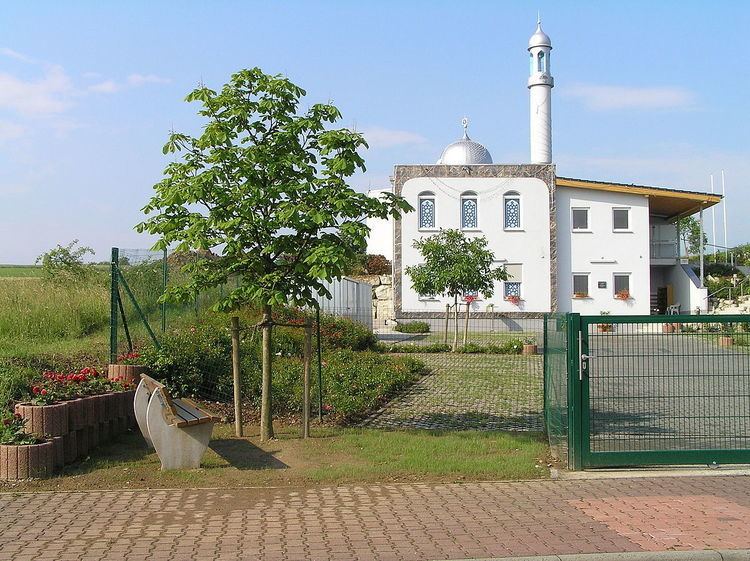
x=569 y=245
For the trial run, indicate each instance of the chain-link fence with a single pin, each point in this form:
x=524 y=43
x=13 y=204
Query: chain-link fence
x=486 y=372
x=190 y=345
x=556 y=384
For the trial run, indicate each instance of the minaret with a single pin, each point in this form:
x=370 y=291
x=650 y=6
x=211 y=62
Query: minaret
x=541 y=83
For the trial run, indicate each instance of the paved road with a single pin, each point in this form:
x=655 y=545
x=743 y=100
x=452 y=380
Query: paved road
x=388 y=522
x=667 y=392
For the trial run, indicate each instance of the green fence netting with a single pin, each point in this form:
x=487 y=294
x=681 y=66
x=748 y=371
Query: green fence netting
x=556 y=383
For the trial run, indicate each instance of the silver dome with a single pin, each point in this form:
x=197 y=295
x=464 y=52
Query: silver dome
x=540 y=38
x=465 y=152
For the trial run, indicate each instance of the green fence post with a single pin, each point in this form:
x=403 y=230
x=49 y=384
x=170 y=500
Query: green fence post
x=545 y=399
x=113 y=308
x=575 y=404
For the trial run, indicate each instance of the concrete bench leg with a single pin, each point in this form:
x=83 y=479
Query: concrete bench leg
x=177 y=447
x=140 y=405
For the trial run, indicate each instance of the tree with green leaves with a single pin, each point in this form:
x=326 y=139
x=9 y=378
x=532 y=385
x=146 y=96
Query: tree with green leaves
x=690 y=235
x=454 y=265
x=264 y=187
x=64 y=264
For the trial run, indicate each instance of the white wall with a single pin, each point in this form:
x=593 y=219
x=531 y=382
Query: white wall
x=686 y=289
x=601 y=252
x=380 y=240
x=530 y=246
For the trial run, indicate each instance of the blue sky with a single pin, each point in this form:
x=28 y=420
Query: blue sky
x=645 y=92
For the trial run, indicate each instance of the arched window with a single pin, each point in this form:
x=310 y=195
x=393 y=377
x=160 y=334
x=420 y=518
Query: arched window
x=540 y=62
x=469 y=211
x=512 y=211
x=531 y=63
x=426 y=211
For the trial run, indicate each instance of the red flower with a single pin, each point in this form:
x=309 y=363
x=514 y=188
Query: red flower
x=43 y=391
x=328 y=408
x=34 y=390
x=7 y=422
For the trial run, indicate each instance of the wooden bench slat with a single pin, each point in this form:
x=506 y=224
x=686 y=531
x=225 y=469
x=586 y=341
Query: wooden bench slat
x=190 y=414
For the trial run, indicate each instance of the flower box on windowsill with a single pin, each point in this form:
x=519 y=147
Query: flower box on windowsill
x=622 y=295
x=580 y=296
x=515 y=300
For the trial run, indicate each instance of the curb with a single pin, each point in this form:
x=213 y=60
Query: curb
x=704 y=555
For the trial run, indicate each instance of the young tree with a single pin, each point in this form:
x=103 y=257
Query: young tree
x=264 y=187
x=690 y=234
x=454 y=265
x=64 y=264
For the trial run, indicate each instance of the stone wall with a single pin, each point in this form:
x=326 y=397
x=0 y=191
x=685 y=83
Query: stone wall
x=382 y=297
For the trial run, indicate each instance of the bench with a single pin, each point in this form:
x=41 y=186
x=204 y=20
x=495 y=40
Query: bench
x=178 y=429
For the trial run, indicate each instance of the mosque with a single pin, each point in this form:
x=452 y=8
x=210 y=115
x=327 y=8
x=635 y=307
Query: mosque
x=567 y=244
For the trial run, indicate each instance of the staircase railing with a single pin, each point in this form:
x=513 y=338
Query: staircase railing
x=740 y=289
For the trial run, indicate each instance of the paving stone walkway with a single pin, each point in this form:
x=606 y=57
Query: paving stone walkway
x=386 y=522
x=469 y=392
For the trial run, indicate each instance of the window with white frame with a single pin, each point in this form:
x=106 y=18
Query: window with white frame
x=512 y=211
x=426 y=211
x=580 y=219
x=621 y=285
x=621 y=219
x=469 y=211
x=512 y=284
x=580 y=285
x=540 y=64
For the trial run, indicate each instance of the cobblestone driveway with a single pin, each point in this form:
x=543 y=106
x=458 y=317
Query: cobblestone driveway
x=470 y=391
x=411 y=522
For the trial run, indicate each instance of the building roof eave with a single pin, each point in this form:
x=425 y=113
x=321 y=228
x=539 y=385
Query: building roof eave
x=672 y=203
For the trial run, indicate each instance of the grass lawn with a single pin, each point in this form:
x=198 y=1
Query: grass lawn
x=16 y=271
x=333 y=456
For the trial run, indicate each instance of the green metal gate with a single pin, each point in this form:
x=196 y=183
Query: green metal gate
x=650 y=390
x=664 y=390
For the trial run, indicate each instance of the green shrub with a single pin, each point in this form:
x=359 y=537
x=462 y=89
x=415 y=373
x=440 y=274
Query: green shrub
x=471 y=348
x=194 y=362
x=14 y=384
x=413 y=327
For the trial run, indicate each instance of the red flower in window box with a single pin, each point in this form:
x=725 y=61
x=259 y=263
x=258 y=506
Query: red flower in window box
x=469 y=299
x=623 y=294
x=513 y=299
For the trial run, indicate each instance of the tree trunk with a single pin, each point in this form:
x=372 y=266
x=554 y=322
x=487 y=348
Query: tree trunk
x=455 y=326
x=266 y=421
x=307 y=363
x=466 y=323
x=447 y=322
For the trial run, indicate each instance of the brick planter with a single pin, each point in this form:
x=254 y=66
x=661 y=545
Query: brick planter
x=24 y=462
x=76 y=414
x=45 y=420
x=128 y=372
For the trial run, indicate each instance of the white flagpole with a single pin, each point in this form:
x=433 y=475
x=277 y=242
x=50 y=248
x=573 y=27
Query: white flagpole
x=724 y=195
x=713 y=222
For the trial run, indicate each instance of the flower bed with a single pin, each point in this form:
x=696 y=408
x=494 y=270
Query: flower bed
x=65 y=416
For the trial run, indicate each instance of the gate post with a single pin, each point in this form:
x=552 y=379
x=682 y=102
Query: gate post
x=575 y=402
x=113 y=308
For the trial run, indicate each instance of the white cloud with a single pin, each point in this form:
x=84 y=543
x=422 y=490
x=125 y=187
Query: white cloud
x=379 y=137
x=140 y=79
x=10 y=53
x=45 y=96
x=603 y=98
x=108 y=86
